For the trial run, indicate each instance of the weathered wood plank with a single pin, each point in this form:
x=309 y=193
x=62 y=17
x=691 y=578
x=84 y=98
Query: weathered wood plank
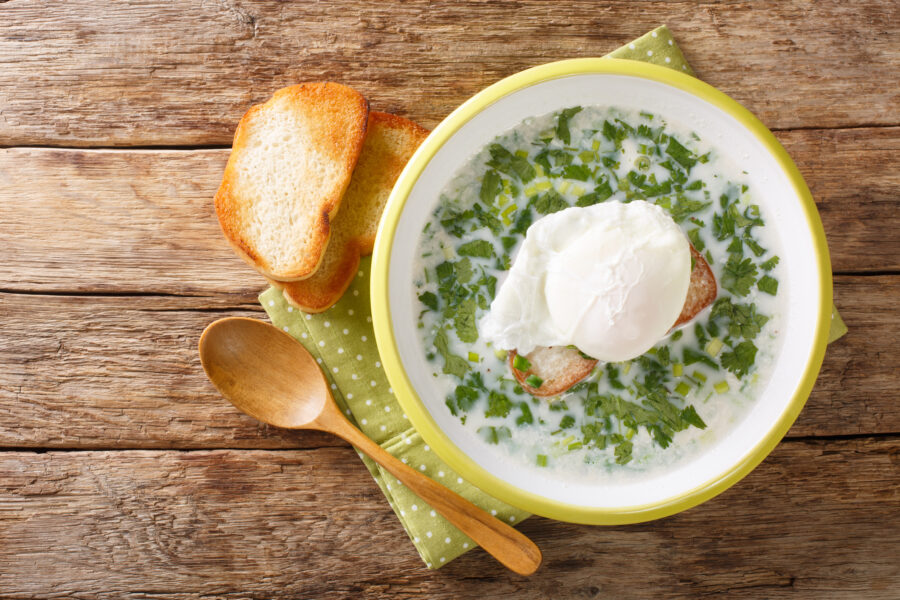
x=93 y=372
x=150 y=73
x=817 y=519
x=108 y=372
x=143 y=221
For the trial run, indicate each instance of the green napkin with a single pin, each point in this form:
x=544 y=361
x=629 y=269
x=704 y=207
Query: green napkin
x=343 y=341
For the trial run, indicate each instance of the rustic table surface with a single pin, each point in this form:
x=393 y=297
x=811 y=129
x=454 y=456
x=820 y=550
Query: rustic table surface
x=124 y=475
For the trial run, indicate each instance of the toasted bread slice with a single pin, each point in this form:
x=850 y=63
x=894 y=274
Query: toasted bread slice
x=559 y=366
x=390 y=142
x=290 y=164
x=562 y=367
x=702 y=290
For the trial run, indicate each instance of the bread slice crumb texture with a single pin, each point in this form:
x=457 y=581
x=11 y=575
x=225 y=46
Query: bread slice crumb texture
x=290 y=164
x=389 y=144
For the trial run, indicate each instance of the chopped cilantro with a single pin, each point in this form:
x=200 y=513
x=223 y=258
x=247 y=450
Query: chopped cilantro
x=526 y=418
x=682 y=155
x=623 y=452
x=512 y=164
x=453 y=364
x=769 y=264
x=550 y=202
x=739 y=275
x=578 y=172
x=477 y=248
x=463 y=270
x=523 y=222
x=689 y=415
x=498 y=405
x=692 y=356
x=768 y=285
x=464 y=321
x=600 y=193
x=562 y=123
x=491 y=184
x=566 y=422
x=429 y=300
x=741 y=359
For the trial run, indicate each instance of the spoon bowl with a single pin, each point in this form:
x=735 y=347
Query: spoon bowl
x=270 y=376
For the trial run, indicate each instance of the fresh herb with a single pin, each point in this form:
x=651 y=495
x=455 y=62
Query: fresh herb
x=429 y=300
x=521 y=363
x=768 y=285
x=739 y=275
x=498 y=405
x=740 y=360
x=682 y=155
x=526 y=418
x=566 y=422
x=476 y=248
x=493 y=435
x=464 y=321
x=562 y=123
x=512 y=164
x=491 y=185
x=453 y=364
x=601 y=192
x=550 y=202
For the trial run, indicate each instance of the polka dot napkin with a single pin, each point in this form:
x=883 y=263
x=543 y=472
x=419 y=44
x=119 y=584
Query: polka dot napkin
x=343 y=341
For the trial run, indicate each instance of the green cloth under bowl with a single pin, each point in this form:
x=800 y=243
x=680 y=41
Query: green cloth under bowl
x=343 y=342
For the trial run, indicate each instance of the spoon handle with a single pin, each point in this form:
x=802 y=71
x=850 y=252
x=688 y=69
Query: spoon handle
x=506 y=544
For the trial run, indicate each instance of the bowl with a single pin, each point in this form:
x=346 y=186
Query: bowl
x=780 y=189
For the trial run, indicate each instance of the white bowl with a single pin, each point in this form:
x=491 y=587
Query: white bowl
x=779 y=188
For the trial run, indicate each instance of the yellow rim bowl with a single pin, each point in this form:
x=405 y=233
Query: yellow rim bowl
x=419 y=414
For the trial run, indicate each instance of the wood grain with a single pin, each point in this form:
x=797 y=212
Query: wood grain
x=151 y=73
x=106 y=372
x=143 y=221
x=816 y=519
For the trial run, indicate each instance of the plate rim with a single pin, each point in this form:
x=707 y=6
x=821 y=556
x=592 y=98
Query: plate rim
x=415 y=409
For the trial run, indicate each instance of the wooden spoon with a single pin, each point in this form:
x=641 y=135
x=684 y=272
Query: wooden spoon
x=269 y=375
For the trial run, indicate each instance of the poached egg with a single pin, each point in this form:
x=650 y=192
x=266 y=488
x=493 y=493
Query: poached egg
x=610 y=279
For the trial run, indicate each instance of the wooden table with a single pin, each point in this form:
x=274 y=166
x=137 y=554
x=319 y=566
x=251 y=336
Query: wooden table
x=124 y=475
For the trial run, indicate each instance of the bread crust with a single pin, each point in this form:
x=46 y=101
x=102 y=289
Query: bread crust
x=333 y=118
x=702 y=290
x=389 y=144
x=556 y=381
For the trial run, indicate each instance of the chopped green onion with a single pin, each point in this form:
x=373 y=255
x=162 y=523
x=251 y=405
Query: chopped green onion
x=721 y=387
x=530 y=191
x=521 y=363
x=509 y=210
x=502 y=200
x=642 y=163
x=683 y=388
x=563 y=186
x=501 y=354
x=630 y=433
x=577 y=190
x=539 y=170
x=566 y=440
x=522 y=153
x=448 y=252
x=626 y=368
x=574 y=445
x=543 y=186
x=596 y=145
x=700 y=376
x=677 y=369
x=473 y=357
x=542 y=460
x=587 y=156
x=713 y=347
x=534 y=381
